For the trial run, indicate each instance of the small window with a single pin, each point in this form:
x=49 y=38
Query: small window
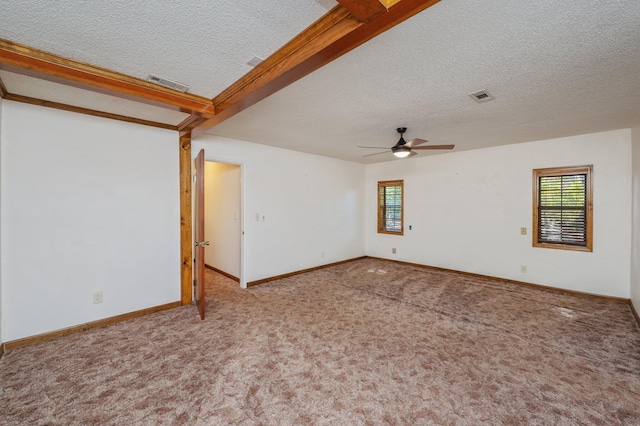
x=563 y=208
x=390 y=207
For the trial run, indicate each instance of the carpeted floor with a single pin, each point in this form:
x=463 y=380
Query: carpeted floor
x=363 y=343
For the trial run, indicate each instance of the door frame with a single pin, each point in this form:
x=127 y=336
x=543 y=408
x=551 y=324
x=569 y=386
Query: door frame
x=243 y=191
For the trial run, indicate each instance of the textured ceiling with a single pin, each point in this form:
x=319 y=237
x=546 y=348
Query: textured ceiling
x=556 y=67
x=203 y=43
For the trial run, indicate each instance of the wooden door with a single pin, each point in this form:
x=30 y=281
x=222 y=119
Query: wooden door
x=200 y=243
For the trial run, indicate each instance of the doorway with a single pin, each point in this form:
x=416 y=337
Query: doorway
x=223 y=218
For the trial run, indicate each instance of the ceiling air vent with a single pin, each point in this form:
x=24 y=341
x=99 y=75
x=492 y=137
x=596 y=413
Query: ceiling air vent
x=254 y=61
x=167 y=83
x=481 y=96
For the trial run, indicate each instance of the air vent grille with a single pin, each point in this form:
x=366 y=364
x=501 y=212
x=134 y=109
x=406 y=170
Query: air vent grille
x=174 y=85
x=254 y=61
x=481 y=96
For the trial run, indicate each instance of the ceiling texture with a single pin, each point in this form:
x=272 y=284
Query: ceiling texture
x=555 y=68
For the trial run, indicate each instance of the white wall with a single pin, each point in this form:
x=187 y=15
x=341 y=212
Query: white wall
x=635 y=232
x=222 y=216
x=88 y=204
x=311 y=205
x=467 y=208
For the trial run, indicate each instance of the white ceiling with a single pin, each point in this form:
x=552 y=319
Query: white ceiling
x=556 y=67
x=202 y=43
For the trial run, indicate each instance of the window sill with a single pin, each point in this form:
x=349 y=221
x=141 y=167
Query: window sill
x=391 y=232
x=563 y=247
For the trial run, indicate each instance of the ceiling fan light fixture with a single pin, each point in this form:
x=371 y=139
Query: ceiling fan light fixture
x=402 y=152
x=404 y=149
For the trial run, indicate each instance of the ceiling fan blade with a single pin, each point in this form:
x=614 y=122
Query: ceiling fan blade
x=376 y=147
x=435 y=147
x=416 y=142
x=369 y=155
x=413 y=154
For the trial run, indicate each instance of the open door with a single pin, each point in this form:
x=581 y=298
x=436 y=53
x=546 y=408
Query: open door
x=199 y=233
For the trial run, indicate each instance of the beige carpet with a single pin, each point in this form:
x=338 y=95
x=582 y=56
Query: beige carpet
x=364 y=343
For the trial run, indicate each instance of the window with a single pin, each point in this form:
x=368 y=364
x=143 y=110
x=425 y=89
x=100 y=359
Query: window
x=563 y=208
x=390 y=207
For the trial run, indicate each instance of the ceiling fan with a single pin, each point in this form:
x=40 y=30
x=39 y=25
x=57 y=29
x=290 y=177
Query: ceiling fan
x=404 y=149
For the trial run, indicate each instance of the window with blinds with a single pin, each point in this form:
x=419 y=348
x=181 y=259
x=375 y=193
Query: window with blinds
x=563 y=208
x=390 y=207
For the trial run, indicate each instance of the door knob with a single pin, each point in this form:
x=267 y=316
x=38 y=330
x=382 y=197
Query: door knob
x=202 y=243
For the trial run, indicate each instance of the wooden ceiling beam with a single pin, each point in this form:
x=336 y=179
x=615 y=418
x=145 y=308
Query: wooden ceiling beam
x=342 y=29
x=189 y=123
x=333 y=35
x=363 y=10
x=389 y=3
x=3 y=90
x=36 y=63
x=86 y=111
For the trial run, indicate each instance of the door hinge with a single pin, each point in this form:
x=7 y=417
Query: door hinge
x=194 y=283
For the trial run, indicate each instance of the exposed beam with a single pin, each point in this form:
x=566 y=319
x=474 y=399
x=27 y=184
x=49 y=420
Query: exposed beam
x=25 y=60
x=189 y=123
x=86 y=111
x=333 y=35
x=3 y=90
x=251 y=88
x=186 y=238
x=336 y=33
x=389 y=3
x=363 y=10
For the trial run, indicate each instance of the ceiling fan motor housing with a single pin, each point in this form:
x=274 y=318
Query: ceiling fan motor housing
x=401 y=142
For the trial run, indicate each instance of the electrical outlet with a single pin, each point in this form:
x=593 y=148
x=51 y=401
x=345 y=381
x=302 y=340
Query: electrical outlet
x=97 y=297
x=523 y=269
x=523 y=231
x=393 y=250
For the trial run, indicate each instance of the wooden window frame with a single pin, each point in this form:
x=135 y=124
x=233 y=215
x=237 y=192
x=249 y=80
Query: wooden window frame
x=382 y=208
x=587 y=170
